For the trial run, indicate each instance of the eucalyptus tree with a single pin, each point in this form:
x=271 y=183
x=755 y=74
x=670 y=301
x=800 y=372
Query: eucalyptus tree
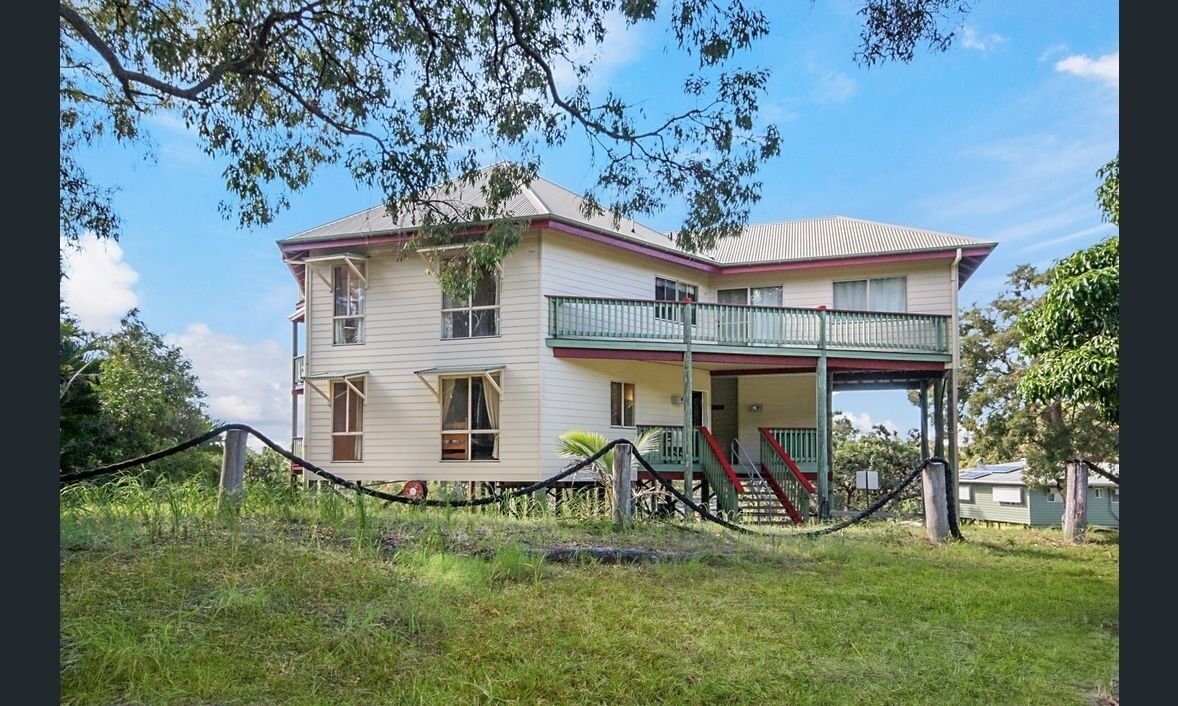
x=410 y=94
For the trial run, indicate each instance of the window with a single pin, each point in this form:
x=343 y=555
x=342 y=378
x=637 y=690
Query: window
x=1009 y=495
x=1053 y=496
x=751 y=296
x=621 y=404
x=965 y=493
x=475 y=317
x=1115 y=495
x=347 y=419
x=1098 y=493
x=348 y=315
x=669 y=290
x=470 y=418
x=880 y=294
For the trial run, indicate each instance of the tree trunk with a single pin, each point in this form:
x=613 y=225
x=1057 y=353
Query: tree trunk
x=1075 y=509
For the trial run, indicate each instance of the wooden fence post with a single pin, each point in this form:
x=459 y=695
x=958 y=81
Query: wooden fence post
x=936 y=508
x=623 y=499
x=232 y=469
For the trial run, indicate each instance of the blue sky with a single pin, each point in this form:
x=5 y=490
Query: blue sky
x=999 y=138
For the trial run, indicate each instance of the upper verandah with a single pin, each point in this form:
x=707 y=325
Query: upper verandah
x=544 y=203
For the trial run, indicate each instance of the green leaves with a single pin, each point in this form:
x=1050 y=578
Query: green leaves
x=1073 y=332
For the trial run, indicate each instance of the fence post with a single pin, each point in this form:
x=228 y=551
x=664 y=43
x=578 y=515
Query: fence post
x=623 y=500
x=936 y=506
x=232 y=469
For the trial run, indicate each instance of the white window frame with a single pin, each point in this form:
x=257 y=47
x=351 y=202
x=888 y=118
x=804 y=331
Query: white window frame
x=350 y=390
x=621 y=387
x=682 y=291
x=470 y=308
x=488 y=379
x=965 y=493
x=1115 y=495
x=869 y=280
x=1098 y=493
x=1006 y=488
x=350 y=269
x=1054 y=496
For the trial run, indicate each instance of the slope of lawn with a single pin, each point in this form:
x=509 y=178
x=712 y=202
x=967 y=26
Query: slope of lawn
x=321 y=600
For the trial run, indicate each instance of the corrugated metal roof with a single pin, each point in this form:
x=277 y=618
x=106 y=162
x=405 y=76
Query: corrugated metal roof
x=785 y=241
x=833 y=236
x=1012 y=474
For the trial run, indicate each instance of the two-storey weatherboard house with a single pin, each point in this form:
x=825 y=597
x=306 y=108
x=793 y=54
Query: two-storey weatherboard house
x=589 y=325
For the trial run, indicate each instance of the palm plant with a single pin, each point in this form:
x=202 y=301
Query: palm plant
x=581 y=444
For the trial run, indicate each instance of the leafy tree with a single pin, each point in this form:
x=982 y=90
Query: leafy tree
x=1000 y=422
x=1074 y=331
x=409 y=95
x=143 y=398
x=266 y=467
x=80 y=412
x=880 y=449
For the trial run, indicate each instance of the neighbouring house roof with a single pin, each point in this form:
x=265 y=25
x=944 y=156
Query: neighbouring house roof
x=811 y=239
x=1011 y=473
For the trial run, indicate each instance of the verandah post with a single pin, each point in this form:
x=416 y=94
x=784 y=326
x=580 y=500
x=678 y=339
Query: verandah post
x=822 y=422
x=232 y=469
x=623 y=509
x=939 y=417
x=688 y=437
x=924 y=420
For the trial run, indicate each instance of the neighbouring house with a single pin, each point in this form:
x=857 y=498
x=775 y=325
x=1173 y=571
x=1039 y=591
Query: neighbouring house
x=999 y=493
x=592 y=325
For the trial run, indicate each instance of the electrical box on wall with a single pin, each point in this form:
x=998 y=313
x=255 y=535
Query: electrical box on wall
x=755 y=407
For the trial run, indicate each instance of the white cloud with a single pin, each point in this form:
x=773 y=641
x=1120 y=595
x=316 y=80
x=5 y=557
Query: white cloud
x=971 y=39
x=864 y=423
x=1053 y=51
x=98 y=284
x=832 y=87
x=247 y=382
x=1106 y=69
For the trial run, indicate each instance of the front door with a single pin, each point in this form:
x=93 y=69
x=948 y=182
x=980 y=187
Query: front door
x=724 y=411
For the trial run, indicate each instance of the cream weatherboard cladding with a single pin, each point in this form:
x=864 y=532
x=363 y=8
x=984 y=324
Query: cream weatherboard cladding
x=402 y=418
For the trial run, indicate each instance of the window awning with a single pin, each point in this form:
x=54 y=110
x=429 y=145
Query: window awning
x=348 y=258
x=334 y=375
x=339 y=375
x=484 y=370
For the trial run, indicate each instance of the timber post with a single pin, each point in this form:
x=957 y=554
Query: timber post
x=688 y=436
x=939 y=417
x=232 y=469
x=936 y=505
x=924 y=421
x=822 y=397
x=623 y=509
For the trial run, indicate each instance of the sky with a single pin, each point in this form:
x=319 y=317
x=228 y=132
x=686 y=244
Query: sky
x=999 y=138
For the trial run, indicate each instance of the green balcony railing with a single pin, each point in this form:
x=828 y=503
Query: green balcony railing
x=732 y=325
x=801 y=443
x=669 y=451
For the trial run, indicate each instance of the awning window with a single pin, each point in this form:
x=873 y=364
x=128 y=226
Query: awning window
x=459 y=370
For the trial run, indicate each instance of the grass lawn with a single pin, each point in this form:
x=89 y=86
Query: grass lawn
x=320 y=600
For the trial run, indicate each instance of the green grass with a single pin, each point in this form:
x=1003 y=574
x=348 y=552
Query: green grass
x=320 y=600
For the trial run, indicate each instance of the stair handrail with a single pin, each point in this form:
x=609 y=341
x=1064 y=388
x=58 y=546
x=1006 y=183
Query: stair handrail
x=723 y=459
x=789 y=461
